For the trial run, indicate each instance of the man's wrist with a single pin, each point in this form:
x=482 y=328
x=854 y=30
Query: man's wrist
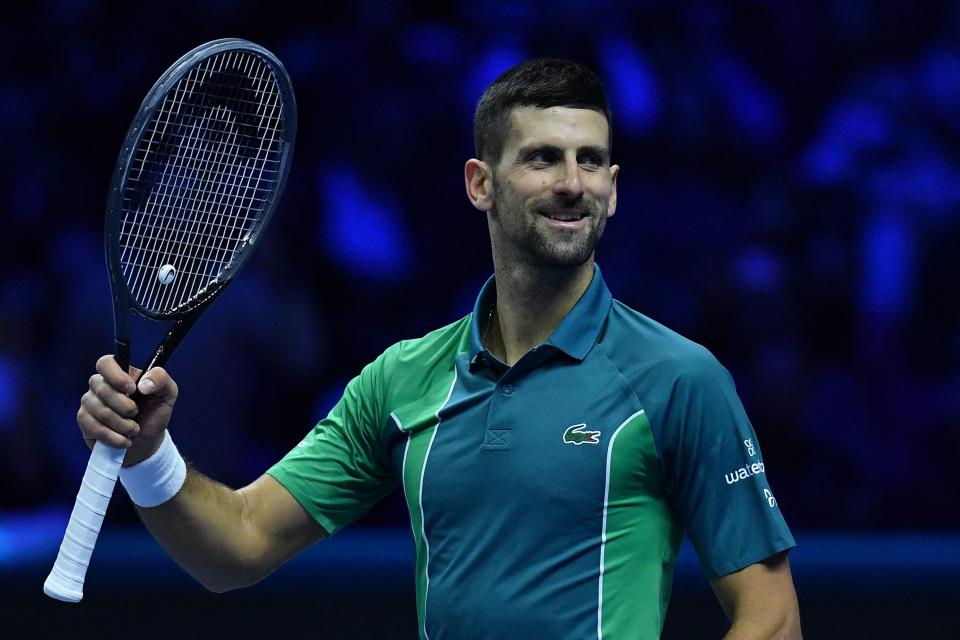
x=143 y=447
x=158 y=478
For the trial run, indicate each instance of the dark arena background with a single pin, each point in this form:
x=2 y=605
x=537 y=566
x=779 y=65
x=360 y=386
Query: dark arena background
x=789 y=197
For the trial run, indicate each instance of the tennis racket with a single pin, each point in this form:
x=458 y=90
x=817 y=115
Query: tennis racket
x=196 y=183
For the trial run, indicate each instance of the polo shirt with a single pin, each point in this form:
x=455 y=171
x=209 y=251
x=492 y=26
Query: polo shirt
x=547 y=499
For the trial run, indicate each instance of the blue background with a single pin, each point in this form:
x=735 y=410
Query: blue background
x=789 y=197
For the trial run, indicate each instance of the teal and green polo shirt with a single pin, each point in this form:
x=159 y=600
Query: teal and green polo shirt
x=547 y=499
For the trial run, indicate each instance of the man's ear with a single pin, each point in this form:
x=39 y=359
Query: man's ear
x=612 y=203
x=478 y=179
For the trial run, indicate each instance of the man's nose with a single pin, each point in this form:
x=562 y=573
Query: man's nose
x=569 y=182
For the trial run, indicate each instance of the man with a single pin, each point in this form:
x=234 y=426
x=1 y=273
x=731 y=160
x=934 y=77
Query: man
x=552 y=445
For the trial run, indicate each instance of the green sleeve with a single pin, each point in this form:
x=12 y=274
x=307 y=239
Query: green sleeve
x=339 y=470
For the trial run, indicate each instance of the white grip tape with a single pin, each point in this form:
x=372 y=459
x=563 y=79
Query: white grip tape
x=65 y=581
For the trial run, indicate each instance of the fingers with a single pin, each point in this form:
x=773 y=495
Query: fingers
x=99 y=421
x=107 y=411
x=115 y=376
x=112 y=397
x=156 y=382
x=109 y=414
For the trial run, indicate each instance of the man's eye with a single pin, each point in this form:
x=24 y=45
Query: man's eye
x=590 y=160
x=540 y=157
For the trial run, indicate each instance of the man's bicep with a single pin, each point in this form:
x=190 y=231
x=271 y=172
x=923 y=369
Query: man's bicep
x=281 y=523
x=760 y=599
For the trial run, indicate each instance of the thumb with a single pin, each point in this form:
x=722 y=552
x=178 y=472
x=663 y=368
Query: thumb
x=158 y=384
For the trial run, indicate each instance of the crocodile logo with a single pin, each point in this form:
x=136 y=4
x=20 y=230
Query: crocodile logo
x=577 y=435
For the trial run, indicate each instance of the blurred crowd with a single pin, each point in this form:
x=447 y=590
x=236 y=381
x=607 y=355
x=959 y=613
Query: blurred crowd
x=789 y=197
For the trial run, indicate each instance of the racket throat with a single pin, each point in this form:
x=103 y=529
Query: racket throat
x=170 y=342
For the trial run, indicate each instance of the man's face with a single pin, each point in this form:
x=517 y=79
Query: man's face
x=554 y=187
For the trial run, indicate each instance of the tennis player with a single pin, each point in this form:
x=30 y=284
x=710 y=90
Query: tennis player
x=553 y=446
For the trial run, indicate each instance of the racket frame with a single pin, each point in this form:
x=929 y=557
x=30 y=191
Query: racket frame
x=187 y=314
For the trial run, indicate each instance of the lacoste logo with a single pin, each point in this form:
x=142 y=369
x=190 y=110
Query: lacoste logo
x=577 y=435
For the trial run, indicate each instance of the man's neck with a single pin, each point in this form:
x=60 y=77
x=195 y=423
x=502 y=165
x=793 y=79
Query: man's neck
x=531 y=302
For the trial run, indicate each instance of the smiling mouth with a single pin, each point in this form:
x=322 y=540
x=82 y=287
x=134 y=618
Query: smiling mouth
x=564 y=216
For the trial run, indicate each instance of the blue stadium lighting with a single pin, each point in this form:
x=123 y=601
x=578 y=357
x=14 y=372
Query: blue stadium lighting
x=433 y=44
x=926 y=182
x=940 y=77
x=363 y=231
x=850 y=127
x=759 y=269
x=328 y=397
x=27 y=199
x=631 y=84
x=887 y=258
x=750 y=105
x=305 y=54
x=489 y=64
x=10 y=393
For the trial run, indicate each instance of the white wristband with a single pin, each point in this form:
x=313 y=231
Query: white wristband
x=155 y=480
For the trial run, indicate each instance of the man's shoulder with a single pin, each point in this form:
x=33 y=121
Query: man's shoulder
x=440 y=344
x=637 y=343
x=414 y=371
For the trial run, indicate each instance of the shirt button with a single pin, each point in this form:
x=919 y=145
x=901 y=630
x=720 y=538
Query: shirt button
x=507 y=389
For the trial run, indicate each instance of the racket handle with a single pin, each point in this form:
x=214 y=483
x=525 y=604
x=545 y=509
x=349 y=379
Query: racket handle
x=65 y=581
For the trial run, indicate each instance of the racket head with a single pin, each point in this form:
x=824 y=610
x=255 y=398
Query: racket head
x=198 y=179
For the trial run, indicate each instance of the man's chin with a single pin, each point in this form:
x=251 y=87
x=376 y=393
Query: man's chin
x=562 y=257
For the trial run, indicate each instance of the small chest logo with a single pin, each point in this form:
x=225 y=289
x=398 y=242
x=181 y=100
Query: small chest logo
x=578 y=435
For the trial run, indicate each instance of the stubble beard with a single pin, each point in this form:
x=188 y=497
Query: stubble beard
x=552 y=248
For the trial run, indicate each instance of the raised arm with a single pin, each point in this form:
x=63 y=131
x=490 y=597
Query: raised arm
x=224 y=538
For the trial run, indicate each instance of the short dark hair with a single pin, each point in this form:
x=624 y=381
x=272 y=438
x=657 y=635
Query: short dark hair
x=541 y=82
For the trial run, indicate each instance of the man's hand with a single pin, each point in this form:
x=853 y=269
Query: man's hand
x=760 y=601
x=108 y=413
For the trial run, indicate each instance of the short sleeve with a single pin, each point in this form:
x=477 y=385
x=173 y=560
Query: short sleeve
x=714 y=472
x=339 y=470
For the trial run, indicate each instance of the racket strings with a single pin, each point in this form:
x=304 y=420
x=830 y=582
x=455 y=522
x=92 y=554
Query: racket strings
x=204 y=197
x=167 y=231
x=190 y=162
x=201 y=177
x=204 y=159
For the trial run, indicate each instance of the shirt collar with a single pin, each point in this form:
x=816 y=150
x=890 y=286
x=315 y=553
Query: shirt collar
x=577 y=332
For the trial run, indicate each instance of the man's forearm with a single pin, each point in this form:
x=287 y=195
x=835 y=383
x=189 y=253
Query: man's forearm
x=783 y=627
x=760 y=601
x=206 y=529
